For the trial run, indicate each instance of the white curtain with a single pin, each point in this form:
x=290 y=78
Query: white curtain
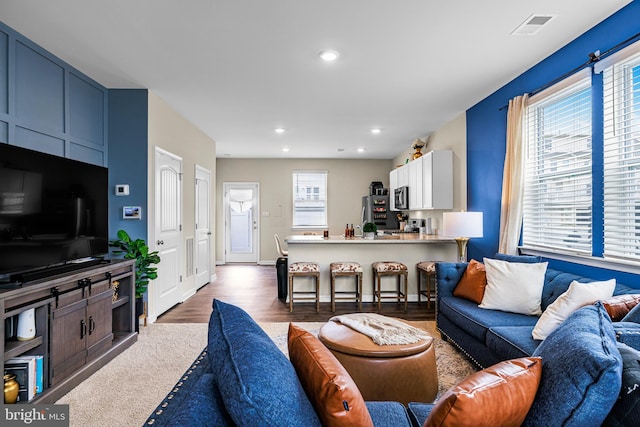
x=513 y=178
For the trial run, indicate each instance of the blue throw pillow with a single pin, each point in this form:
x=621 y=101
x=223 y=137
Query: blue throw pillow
x=258 y=384
x=626 y=411
x=581 y=372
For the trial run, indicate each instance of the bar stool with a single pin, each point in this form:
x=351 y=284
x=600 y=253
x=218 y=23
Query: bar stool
x=390 y=268
x=305 y=269
x=339 y=269
x=427 y=268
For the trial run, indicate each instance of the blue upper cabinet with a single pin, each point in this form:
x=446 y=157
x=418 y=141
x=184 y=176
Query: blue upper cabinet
x=47 y=105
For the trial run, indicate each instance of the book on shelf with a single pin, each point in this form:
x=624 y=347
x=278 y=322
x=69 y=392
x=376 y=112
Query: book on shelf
x=29 y=373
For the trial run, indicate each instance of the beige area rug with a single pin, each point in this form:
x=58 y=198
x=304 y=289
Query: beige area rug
x=127 y=389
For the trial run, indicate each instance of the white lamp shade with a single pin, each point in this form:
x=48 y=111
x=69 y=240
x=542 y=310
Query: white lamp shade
x=462 y=224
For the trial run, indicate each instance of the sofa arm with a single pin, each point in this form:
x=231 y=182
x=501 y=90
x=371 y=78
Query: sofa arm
x=448 y=274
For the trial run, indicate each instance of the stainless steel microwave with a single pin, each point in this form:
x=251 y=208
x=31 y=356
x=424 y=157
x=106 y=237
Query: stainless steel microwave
x=401 y=195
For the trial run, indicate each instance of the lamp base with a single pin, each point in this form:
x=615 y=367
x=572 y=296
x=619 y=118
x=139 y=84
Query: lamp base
x=462 y=248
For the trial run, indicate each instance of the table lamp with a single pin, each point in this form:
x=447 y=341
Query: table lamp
x=462 y=226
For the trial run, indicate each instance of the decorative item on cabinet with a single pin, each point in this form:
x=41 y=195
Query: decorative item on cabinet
x=11 y=388
x=27 y=325
x=115 y=285
x=418 y=145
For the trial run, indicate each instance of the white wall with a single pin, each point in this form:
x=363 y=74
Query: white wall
x=172 y=132
x=453 y=136
x=348 y=181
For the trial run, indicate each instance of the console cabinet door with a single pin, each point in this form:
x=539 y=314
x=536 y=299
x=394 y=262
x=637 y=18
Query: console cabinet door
x=68 y=339
x=99 y=323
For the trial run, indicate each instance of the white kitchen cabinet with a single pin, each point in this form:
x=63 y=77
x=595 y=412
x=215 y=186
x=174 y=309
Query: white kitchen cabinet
x=437 y=180
x=415 y=169
x=393 y=184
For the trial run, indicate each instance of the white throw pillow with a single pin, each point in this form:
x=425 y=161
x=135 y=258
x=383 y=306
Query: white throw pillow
x=578 y=295
x=514 y=286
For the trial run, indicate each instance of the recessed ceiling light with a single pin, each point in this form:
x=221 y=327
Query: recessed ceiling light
x=279 y=130
x=329 y=55
x=360 y=150
x=375 y=131
x=285 y=149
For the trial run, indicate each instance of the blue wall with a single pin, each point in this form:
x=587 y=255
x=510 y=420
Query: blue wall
x=486 y=135
x=47 y=105
x=128 y=158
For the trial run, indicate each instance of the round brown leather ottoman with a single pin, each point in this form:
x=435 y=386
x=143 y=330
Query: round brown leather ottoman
x=403 y=373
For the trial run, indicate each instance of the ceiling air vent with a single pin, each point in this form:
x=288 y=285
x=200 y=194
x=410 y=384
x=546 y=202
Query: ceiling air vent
x=532 y=25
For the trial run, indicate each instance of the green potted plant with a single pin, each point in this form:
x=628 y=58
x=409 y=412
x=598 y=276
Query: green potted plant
x=139 y=251
x=369 y=229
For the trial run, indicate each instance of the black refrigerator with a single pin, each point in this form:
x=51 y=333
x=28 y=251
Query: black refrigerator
x=376 y=209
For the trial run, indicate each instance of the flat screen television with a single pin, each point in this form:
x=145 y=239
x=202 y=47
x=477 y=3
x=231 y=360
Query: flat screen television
x=53 y=212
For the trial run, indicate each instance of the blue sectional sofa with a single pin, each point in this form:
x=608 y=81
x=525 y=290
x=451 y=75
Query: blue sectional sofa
x=490 y=336
x=242 y=378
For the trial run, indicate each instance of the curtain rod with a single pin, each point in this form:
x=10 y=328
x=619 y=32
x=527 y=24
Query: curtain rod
x=593 y=58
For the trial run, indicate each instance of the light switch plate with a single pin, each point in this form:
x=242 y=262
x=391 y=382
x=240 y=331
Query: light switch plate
x=122 y=189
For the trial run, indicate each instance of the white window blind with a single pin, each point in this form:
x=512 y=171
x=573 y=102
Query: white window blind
x=557 y=193
x=622 y=155
x=310 y=199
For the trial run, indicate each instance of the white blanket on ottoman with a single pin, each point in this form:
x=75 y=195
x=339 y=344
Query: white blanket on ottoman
x=382 y=330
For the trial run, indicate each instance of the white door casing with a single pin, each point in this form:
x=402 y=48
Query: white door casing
x=241 y=221
x=202 y=227
x=168 y=231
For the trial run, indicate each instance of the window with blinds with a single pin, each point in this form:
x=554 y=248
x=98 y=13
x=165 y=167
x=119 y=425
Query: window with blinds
x=310 y=199
x=621 y=83
x=557 y=193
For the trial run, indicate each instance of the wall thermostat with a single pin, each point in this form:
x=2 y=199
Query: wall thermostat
x=122 y=189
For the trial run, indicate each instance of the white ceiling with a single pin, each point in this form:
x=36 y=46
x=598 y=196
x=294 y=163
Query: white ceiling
x=237 y=69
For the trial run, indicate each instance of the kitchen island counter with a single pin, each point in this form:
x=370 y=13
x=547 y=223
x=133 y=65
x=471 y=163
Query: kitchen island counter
x=385 y=238
x=408 y=248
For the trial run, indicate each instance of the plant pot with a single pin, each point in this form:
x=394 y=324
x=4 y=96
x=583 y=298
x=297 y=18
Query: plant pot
x=139 y=312
x=369 y=235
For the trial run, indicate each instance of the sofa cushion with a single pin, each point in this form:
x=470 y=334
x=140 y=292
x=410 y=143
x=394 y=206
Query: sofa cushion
x=633 y=315
x=419 y=412
x=578 y=295
x=626 y=409
x=388 y=414
x=620 y=305
x=526 y=259
x=257 y=382
x=500 y=395
x=328 y=385
x=511 y=342
x=628 y=333
x=581 y=371
x=471 y=285
x=477 y=321
x=514 y=287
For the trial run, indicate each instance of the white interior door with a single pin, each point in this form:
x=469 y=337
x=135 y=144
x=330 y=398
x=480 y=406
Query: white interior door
x=203 y=227
x=168 y=230
x=241 y=206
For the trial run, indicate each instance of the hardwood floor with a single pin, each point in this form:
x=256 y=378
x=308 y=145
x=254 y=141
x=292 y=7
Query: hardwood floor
x=254 y=289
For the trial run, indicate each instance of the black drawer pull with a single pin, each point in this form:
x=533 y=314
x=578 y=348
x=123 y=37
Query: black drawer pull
x=83 y=328
x=92 y=325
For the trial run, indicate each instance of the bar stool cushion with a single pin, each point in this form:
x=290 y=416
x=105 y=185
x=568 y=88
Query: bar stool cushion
x=345 y=267
x=427 y=266
x=304 y=267
x=388 y=266
x=332 y=391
